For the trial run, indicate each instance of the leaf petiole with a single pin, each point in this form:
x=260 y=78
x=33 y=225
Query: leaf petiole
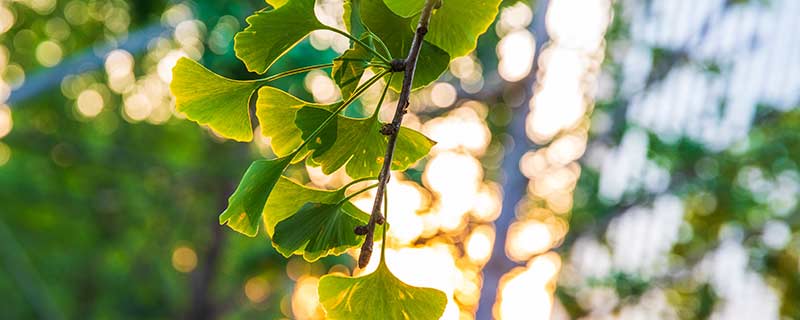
x=352 y=183
x=383 y=95
x=361 y=43
x=295 y=71
x=357 y=193
x=335 y=113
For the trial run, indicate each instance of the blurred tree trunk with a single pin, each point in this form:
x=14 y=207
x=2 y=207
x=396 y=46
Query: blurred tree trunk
x=515 y=185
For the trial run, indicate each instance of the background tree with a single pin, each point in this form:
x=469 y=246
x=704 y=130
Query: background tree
x=681 y=204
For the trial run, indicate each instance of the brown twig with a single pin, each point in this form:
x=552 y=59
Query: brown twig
x=409 y=65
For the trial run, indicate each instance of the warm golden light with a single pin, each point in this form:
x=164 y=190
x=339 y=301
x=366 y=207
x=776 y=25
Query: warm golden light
x=305 y=299
x=528 y=238
x=322 y=87
x=137 y=107
x=6 y=123
x=49 y=53
x=184 y=259
x=257 y=289
x=479 y=244
x=487 y=203
x=7 y=19
x=558 y=110
x=90 y=103
x=443 y=94
x=516 y=52
x=462 y=128
x=119 y=67
x=526 y=292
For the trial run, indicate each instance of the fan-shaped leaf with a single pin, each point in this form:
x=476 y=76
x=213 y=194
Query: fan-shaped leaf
x=405 y=8
x=273 y=33
x=318 y=230
x=246 y=204
x=349 y=67
x=213 y=100
x=360 y=146
x=289 y=196
x=276 y=3
x=396 y=32
x=276 y=110
x=378 y=295
x=288 y=199
x=456 y=26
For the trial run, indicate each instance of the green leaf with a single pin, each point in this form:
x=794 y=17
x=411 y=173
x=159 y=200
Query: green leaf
x=456 y=26
x=273 y=33
x=378 y=295
x=405 y=8
x=289 y=196
x=350 y=17
x=288 y=199
x=276 y=3
x=350 y=66
x=210 y=99
x=246 y=204
x=309 y=119
x=360 y=146
x=318 y=230
x=396 y=32
x=276 y=110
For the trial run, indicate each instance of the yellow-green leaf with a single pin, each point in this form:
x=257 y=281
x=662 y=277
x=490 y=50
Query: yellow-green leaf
x=210 y=99
x=276 y=3
x=276 y=111
x=405 y=8
x=360 y=146
x=319 y=229
x=323 y=228
x=246 y=204
x=274 y=32
x=380 y=296
x=350 y=66
x=289 y=196
x=456 y=26
x=397 y=33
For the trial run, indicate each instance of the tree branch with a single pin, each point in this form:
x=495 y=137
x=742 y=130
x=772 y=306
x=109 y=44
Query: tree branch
x=409 y=66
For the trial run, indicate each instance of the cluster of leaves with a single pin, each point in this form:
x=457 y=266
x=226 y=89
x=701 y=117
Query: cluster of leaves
x=316 y=223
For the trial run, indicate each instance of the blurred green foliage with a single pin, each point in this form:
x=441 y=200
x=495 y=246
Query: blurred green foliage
x=92 y=210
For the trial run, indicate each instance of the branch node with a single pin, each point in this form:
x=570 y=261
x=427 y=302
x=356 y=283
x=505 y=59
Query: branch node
x=388 y=129
x=422 y=30
x=397 y=65
x=361 y=230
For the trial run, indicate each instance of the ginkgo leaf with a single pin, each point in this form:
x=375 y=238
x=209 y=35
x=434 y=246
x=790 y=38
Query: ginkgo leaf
x=405 y=8
x=318 y=230
x=276 y=111
x=289 y=196
x=288 y=199
x=360 y=146
x=276 y=3
x=274 y=32
x=396 y=32
x=378 y=295
x=210 y=99
x=246 y=204
x=456 y=26
x=350 y=66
